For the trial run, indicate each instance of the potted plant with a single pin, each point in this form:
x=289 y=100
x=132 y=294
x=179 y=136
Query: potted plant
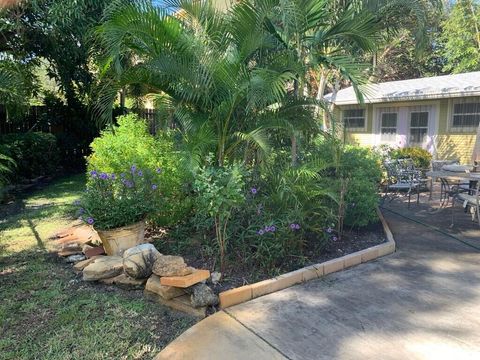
x=116 y=205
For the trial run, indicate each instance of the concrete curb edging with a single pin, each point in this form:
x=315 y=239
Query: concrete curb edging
x=248 y=292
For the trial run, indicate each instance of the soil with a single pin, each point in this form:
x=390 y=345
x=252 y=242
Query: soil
x=237 y=274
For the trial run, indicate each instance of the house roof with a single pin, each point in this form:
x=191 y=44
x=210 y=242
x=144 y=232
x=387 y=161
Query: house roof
x=437 y=87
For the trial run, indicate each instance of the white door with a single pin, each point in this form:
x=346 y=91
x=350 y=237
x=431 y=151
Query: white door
x=421 y=127
x=406 y=126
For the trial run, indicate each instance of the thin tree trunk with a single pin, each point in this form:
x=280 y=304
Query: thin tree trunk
x=331 y=107
x=294 y=149
x=477 y=31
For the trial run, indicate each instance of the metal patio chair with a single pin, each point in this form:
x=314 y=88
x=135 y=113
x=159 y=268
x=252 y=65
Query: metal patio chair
x=471 y=202
x=403 y=177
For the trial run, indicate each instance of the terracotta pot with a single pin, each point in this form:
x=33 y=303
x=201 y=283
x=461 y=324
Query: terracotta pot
x=116 y=241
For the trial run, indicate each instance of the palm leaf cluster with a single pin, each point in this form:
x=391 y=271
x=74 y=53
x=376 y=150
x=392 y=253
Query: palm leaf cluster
x=229 y=79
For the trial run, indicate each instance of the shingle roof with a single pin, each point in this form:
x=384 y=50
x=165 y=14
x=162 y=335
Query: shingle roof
x=447 y=86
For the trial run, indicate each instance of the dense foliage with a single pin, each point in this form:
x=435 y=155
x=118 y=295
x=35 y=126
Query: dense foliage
x=461 y=37
x=130 y=143
x=34 y=153
x=421 y=157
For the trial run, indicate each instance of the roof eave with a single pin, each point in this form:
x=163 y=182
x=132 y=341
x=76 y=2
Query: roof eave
x=410 y=98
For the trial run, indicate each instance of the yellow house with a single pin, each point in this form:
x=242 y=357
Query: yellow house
x=440 y=114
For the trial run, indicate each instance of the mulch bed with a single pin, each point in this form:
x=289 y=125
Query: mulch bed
x=238 y=274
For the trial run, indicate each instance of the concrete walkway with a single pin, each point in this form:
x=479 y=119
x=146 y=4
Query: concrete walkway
x=423 y=302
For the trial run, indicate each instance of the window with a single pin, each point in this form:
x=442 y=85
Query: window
x=388 y=128
x=466 y=116
x=354 y=119
x=418 y=127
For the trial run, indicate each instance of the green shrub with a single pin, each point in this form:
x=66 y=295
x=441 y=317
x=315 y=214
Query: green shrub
x=360 y=169
x=219 y=191
x=421 y=157
x=129 y=144
x=363 y=169
x=35 y=153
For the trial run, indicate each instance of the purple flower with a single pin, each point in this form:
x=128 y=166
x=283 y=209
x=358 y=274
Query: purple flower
x=113 y=176
x=158 y=170
x=128 y=184
x=90 y=220
x=81 y=211
x=140 y=173
x=154 y=187
x=93 y=174
x=103 y=176
x=334 y=238
x=260 y=232
x=329 y=230
x=297 y=226
x=273 y=228
x=133 y=169
x=253 y=190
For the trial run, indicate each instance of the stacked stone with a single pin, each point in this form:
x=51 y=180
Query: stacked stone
x=177 y=285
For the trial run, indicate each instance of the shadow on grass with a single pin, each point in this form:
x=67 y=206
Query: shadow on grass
x=47 y=311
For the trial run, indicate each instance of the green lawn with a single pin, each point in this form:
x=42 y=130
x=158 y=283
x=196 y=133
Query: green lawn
x=46 y=312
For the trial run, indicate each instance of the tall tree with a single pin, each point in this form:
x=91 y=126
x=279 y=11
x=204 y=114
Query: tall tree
x=56 y=31
x=461 y=37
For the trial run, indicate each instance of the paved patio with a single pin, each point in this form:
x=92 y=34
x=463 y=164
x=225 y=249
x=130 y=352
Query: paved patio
x=423 y=302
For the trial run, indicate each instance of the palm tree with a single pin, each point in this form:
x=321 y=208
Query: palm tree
x=224 y=74
x=321 y=39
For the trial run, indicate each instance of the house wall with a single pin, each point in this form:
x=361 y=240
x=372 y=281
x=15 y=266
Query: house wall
x=448 y=144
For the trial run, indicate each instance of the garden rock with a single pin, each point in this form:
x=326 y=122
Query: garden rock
x=168 y=265
x=79 y=266
x=124 y=281
x=95 y=251
x=215 y=277
x=103 y=268
x=166 y=292
x=75 y=258
x=138 y=261
x=202 y=295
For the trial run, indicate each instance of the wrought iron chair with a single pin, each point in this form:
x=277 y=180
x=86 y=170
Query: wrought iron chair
x=471 y=202
x=402 y=176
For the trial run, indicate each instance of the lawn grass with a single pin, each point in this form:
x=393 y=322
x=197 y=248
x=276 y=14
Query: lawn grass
x=47 y=312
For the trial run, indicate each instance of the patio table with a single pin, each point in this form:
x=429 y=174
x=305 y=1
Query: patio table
x=447 y=177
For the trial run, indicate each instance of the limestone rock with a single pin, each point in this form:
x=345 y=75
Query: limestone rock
x=202 y=295
x=138 y=260
x=124 y=281
x=79 y=266
x=102 y=268
x=75 y=258
x=215 y=277
x=166 y=292
x=168 y=265
x=94 y=251
x=186 y=281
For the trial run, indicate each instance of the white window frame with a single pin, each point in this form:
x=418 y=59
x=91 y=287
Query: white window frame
x=410 y=127
x=365 y=119
x=451 y=114
x=383 y=112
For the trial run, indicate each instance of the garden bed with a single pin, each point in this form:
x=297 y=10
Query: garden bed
x=238 y=274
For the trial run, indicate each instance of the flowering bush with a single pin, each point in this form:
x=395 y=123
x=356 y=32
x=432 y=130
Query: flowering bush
x=112 y=200
x=130 y=143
